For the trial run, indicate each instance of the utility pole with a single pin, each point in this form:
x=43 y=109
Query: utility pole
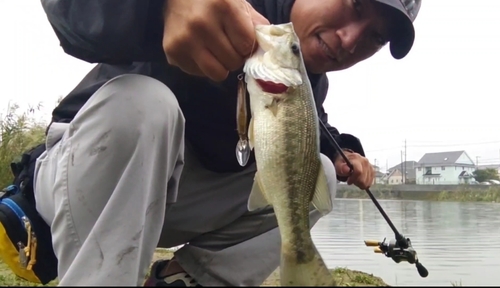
x=405 y=164
x=401 y=168
x=477 y=162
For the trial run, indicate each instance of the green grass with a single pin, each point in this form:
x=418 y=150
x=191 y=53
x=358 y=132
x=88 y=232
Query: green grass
x=492 y=194
x=343 y=277
x=7 y=278
x=347 y=277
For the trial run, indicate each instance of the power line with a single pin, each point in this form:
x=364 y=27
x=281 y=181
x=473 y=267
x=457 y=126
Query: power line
x=438 y=141
x=437 y=145
x=452 y=145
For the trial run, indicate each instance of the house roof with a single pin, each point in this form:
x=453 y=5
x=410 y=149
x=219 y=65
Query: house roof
x=409 y=166
x=389 y=174
x=441 y=158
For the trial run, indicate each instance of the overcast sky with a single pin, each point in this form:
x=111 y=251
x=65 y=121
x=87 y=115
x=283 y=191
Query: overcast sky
x=441 y=97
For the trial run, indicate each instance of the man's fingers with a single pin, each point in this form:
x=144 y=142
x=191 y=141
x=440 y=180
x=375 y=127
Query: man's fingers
x=212 y=38
x=257 y=19
x=366 y=179
x=239 y=27
x=362 y=174
x=355 y=173
x=357 y=169
x=216 y=41
x=188 y=66
x=365 y=183
x=210 y=66
x=225 y=53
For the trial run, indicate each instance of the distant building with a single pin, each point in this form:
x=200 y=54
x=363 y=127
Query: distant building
x=379 y=178
x=394 y=177
x=378 y=175
x=455 y=167
x=409 y=168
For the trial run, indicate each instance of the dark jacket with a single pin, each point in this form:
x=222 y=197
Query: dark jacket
x=125 y=36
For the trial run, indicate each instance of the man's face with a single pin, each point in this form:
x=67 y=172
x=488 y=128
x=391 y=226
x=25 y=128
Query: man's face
x=336 y=34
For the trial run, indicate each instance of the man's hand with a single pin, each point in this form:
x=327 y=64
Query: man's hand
x=362 y=174
x=209 y=37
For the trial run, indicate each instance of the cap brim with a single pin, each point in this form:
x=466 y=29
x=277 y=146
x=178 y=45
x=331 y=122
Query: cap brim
x=402 y=30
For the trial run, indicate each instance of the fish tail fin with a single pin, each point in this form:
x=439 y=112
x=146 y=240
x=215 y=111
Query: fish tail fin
x=312 y=273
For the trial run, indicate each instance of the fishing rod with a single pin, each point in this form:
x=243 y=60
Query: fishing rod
x=399 y=249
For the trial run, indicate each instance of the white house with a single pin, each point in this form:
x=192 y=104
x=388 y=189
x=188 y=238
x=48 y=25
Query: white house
x=450 y=168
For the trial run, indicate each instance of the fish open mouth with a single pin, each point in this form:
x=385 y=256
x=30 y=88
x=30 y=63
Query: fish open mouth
x=274 y=80
x=272 y=87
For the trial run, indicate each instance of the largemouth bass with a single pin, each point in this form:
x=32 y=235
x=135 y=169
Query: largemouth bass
x=284 y=133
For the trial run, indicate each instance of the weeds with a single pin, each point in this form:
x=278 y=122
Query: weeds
x=461 y=193
x=19 y=131
x=491 y=194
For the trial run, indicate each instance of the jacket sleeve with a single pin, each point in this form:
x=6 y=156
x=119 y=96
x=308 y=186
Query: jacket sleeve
x=345 y=141
x=108 y=31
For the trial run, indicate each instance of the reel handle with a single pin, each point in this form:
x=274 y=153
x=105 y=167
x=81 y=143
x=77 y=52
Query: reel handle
x=373 y=243
x=422 y=271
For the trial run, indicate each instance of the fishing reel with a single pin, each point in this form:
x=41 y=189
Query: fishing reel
x=399 y=250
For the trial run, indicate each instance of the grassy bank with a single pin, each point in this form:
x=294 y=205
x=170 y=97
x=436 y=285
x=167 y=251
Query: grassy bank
x=459 y=193
x=349 y=192
x=490 y=195
x=344 y=277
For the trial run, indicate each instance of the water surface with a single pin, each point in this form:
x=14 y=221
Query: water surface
x=456 y=242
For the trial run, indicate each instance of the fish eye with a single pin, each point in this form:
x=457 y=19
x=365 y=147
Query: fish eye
x=295 y=48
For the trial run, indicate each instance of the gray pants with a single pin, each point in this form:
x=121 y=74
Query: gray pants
x=107 y=178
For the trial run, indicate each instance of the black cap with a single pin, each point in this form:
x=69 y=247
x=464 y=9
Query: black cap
x=403 y=32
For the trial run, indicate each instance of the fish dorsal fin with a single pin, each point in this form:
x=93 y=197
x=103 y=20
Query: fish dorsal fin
x=257 y=199
x=322 y=199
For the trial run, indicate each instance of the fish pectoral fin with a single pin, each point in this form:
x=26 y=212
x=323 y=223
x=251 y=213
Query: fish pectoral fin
x=256 y=199
x=322 y=199
x=273 y=107
x=250 y=134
